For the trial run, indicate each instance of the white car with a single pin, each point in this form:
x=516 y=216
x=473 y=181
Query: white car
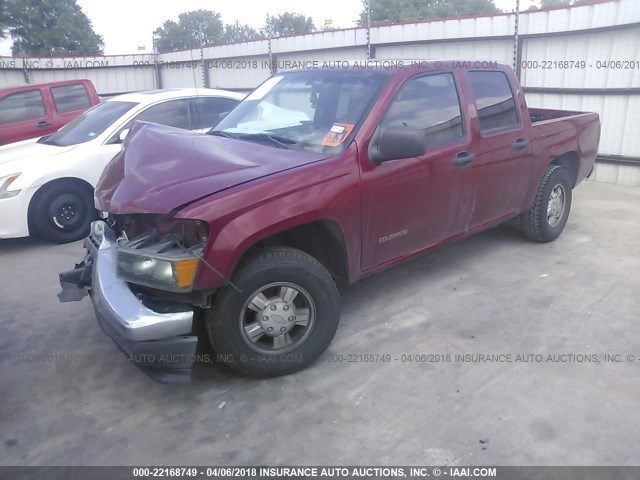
x=46 y=184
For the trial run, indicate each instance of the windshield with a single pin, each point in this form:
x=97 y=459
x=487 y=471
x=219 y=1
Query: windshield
x=88 y=125
x=315 y=110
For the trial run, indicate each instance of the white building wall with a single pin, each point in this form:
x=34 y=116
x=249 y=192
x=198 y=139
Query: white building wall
x=321 y=56
x=106 y=80
x=10 y=78
x=110 y=74
x=242 y=73
x=595 y=49
x=494 y=50
x=181 y=74
x=619 y=174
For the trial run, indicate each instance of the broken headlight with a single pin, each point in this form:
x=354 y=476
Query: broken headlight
x=165 y=258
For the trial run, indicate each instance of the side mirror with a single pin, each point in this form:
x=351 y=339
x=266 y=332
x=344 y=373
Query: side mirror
x=123 y=134
x=395 y=143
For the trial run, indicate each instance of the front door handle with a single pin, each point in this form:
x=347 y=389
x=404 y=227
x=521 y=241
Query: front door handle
x=463 y=159
x=520 y=143
x=43 y=124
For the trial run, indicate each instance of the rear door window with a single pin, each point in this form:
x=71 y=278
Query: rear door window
x=174 y=113
x=494 y=101
x=69 y=98
x=21 y=106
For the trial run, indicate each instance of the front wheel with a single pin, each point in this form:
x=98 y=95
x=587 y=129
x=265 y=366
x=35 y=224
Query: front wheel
x=63 y=212
x=545 y=221
x=280 y=314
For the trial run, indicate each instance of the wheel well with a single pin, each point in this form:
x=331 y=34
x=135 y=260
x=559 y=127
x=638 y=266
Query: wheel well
x=570 y=162
x=70 y=181
x=322 y=239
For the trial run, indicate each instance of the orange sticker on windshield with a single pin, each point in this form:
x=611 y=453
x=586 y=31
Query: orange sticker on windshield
x=338 y=133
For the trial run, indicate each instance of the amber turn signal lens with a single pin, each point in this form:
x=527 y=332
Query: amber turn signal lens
x=185 y=271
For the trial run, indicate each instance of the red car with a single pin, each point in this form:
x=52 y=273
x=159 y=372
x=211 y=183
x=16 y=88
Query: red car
x=319 y=178
x=33 y=111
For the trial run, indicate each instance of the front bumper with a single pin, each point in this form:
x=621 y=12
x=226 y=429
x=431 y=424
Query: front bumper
x=13 y=215
x=162 y=344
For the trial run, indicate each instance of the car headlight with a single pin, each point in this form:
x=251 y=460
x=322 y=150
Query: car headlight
x=167 y=261
x=164 y=272
x=5 y=182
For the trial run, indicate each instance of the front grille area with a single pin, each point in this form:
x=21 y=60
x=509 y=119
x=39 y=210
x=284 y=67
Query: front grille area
x=145 y=230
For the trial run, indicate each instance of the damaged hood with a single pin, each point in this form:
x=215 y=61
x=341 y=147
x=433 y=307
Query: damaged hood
x=163 y=168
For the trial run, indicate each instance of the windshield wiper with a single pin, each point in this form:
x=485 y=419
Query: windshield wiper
x=221 y=133
x=280 y=142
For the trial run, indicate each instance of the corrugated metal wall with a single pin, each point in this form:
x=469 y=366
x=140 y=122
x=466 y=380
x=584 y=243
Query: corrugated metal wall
x=594 y=34
x=110 y=74
x=498 y=50
x=595 y=49
x=251 y=71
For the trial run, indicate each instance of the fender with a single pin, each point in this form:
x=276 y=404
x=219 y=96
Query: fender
x=328 y=191
x=64 y=175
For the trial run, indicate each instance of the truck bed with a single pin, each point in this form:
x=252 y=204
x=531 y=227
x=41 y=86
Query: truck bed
x=556 y=132
x=544 y=114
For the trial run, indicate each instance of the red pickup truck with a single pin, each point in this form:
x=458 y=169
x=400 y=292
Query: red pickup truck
x=32 y=111
x=319 y=178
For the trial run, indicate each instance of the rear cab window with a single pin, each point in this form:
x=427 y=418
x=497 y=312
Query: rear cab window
x=69 y=98
x=21 y=106
x=429 y=103
x=494 y=101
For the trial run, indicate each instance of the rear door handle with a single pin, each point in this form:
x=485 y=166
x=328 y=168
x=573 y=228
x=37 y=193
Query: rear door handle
x=463 y=159
x=520 y=143
x=43 y=124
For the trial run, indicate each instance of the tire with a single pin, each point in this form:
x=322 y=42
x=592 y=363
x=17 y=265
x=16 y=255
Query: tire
x=63 y=212
x=239 y=320
x=545 y=221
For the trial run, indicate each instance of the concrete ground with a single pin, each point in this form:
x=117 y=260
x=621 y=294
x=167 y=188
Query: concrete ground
x=68 y=397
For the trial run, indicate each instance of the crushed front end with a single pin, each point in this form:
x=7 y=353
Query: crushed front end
x=139 y=272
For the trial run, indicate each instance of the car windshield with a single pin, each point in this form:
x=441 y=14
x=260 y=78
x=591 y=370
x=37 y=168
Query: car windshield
x=88 y=125
x=316 y=110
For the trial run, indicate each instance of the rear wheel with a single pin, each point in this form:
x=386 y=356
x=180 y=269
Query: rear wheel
x=282 y=316
x=63 y=212
x=545 y=221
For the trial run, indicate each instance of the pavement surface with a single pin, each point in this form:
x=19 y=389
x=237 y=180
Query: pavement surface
x=69 y=397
